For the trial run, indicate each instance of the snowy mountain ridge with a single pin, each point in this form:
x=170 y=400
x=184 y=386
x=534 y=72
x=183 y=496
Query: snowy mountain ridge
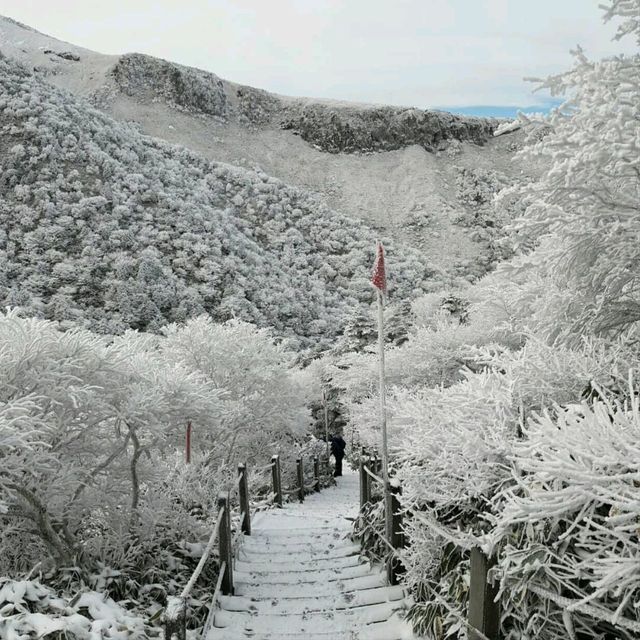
x=398 y=169
x=177 y=231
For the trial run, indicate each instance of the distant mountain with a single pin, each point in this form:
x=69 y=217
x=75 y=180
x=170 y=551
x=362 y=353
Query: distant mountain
x=494 y=111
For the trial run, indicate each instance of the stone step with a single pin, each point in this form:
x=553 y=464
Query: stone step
x=259 y=544
x=389 y=630
x=249 y=555
x=302 y=576
x=338 y=621
x=320 y=588
x=300 y=604
x=262 y=563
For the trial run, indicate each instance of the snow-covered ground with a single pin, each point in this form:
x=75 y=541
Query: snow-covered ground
x=300 y=575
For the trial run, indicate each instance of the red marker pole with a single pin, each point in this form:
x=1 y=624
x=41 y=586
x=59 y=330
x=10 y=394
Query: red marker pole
x=188 y=444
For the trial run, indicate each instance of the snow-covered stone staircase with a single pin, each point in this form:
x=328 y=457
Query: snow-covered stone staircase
x=299 y=576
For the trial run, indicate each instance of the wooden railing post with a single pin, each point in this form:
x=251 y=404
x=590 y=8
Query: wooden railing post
x=224 y=544
x=276 y=479
x=243 y=493
x=175 y=619
x=364 y=482
x=300 y=473
x=393 y=522
x=484 y=612
x=316 y=472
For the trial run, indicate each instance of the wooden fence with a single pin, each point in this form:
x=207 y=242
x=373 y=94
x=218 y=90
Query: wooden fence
x=484 y=612
x=175 y=616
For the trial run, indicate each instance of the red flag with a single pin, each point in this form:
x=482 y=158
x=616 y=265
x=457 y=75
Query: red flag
x=379 y=277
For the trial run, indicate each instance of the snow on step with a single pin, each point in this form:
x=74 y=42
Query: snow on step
x=297 y=576
x=319 y=588
x=300 y=576
x=393 y=629
x=280 y=566
x=339 y=601
x=309 y=620
x=297 y=554
x=324 y=545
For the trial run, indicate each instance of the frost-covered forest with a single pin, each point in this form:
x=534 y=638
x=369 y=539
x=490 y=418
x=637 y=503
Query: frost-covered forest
x=105 y=228
x=144 y=287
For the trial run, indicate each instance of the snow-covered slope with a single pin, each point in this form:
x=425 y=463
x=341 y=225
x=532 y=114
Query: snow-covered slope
x=399 y=169
x=103 y=226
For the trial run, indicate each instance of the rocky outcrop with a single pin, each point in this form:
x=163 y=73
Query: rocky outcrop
x=148 y=78
x=65 y=55
x=360 y=129
x=331 y=127
x=256 y=106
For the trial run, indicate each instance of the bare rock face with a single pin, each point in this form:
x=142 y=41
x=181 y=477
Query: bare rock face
x=361 y=129
x=148 y=78
x=256 y=106
x=65 y=55
x=330 y=127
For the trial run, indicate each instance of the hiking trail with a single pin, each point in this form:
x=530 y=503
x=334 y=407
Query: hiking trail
x=300 y=576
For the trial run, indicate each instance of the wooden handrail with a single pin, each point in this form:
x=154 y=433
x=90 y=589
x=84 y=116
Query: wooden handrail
x=378 y=479
x=484 y=612
x=300 y=475
x=243 y=494
x=175 y=616
x=276 y=479
x=225 y=549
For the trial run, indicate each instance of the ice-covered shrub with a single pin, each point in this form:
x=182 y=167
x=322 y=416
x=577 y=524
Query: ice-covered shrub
x=432 y=354
x=568 y=528
x=29 y=609
x=92 y=434
x=265 y=399
x=99 y=417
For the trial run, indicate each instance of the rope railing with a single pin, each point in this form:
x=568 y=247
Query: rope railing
x=483 y=618
x=484 y=615
x=373 y=476
x=264 y=467
x=175 y=616
x=205 y=556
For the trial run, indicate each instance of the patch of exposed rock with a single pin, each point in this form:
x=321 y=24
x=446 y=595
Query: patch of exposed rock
x=360 y=129
x=148 y=78
x=330 y=127
x=256 y=106
x=65 y=55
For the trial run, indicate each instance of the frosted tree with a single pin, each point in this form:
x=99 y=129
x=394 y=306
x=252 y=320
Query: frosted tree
x=585 y=210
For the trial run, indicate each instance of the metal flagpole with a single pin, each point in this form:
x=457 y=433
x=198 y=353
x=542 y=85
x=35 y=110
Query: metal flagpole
x=382 y=390
x=379 y=280
x=326 y=421
x=188 y=443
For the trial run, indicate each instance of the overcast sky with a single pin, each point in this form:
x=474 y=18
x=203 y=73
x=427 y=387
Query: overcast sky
x=409 y=52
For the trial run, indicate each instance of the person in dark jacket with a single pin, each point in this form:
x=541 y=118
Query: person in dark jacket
x=338 y=446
